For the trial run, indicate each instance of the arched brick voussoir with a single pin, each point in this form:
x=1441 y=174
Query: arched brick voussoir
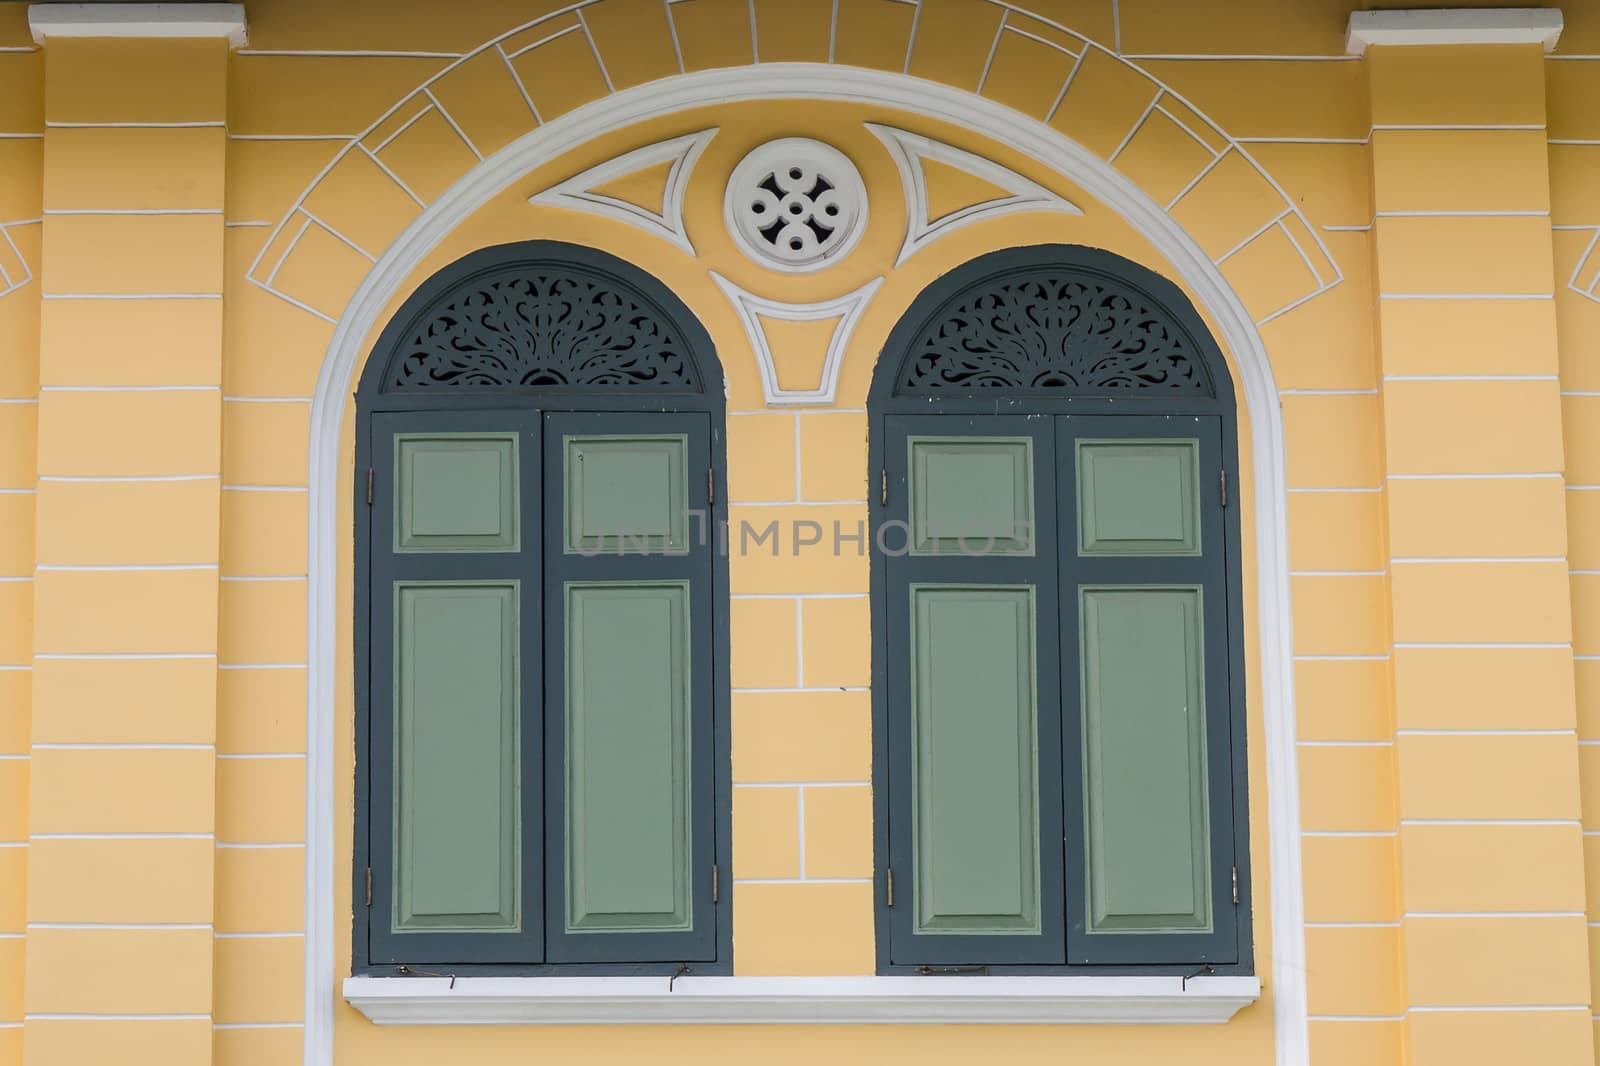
x=555 y=64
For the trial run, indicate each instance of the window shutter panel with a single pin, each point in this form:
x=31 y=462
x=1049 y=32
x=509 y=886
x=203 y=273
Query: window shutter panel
x=454 y=838
x=973 y=735
x=629 y=787
x=1149 y=776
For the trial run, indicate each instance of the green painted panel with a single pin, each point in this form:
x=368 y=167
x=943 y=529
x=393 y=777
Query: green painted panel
x=1139 y=497
x=457 y=864
x=975 y=808
x=628 y=757
x=626 y=494
x=1144 y=743
x=457 y=492
x=971 y=495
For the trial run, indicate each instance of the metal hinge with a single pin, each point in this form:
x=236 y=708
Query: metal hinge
x=1235 y=886
x=890 y=891
x=711 y=485
x=369 y=486
x=369 y=886
x=716 y=881
x=883 y=486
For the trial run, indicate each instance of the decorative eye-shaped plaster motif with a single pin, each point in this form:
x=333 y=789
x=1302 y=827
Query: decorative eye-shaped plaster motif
x=796 y=205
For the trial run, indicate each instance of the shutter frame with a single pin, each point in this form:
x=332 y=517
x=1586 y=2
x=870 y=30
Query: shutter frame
x=912 y=942
x=388 y=944
x=570 y=570
x=1168 y=575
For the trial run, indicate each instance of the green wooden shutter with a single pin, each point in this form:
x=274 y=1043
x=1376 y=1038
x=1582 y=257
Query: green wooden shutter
x=629 y=778
x=1149 y=770
x=455 y=808
x=974 y=772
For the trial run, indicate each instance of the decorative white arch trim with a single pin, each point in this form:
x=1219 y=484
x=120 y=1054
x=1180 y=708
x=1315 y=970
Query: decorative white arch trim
x=807 y=81
x=922 y=229
x=844 y=310
x=577 y=192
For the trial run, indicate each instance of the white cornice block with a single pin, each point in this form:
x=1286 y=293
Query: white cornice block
x=1490 y=25
x=139 y=21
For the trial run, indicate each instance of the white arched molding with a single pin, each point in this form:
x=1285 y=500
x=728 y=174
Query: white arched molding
x=922 y=229
x=578 y=192
x=1029 y=137
x=843 y=311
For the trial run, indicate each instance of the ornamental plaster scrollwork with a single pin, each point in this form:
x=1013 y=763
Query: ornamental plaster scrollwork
x=579 y=191
x=910 y=149
x=845 y=311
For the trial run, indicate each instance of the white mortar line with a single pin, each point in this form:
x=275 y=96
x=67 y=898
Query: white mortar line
x=1466 y=296
x=131 y=296
x=516 y=80
x=994 y=46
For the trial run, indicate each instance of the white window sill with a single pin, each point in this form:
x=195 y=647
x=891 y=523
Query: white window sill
x=797 y=1000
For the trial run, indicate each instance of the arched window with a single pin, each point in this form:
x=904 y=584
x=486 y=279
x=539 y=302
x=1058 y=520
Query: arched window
x=1059 y=696
x=540 y=647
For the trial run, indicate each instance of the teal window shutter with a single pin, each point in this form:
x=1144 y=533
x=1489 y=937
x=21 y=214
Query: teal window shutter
x=541 y=653
x=456 y=818
x=974 y=741
x=1058 y=685
x=628 y=616
x=1150 y=746
x=1060 y=743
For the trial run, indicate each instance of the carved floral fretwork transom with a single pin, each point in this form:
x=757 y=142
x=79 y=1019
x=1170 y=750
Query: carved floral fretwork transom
x=543 y=326
x=1055 y=330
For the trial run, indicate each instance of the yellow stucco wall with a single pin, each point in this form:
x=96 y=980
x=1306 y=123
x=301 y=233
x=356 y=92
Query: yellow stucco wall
x=1435 y=646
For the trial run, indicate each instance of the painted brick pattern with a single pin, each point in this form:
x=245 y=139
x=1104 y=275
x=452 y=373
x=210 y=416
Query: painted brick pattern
x=121 y=808
x=1474 y=776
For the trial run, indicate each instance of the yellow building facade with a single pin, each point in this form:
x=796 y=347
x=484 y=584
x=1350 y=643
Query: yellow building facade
x=1386 y=222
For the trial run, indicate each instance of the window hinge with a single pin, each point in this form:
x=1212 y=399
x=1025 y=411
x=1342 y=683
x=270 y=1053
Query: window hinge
x=711 y=485
x=369 y=886
x=1235 y=886
x=369 y=486
x=1224 y=480
x=889 y=893
x=716 y=881
x=883 y=486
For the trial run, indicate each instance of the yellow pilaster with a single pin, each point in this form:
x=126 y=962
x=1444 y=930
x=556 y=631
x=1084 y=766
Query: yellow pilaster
x=1491 y=882
x=122 y=790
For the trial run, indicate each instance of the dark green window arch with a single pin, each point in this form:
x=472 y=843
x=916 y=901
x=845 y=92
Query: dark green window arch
x=540 y=636
x=1058 y=664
